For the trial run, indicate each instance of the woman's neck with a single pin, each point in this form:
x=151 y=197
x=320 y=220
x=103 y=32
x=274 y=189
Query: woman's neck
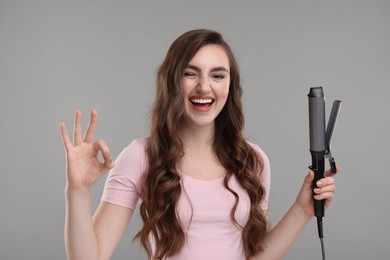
x=198 y=139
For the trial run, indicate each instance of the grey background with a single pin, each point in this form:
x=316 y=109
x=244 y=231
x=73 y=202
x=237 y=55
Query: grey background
x=57 y=56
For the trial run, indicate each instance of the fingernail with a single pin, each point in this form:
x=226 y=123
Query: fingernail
x=320 y=183
x=316 y=190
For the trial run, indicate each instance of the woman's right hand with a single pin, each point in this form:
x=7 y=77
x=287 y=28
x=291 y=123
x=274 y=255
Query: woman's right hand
x=83 y=167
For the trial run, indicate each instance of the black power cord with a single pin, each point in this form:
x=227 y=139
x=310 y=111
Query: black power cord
x=321 y=236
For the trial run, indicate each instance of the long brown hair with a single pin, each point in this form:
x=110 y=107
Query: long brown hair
x=161 y=187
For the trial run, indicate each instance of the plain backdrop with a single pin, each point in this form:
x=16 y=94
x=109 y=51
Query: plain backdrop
x=58 y=56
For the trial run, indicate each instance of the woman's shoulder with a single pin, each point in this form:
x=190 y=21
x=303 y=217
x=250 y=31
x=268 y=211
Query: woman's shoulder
x=139 y=144
x=258 y=149
x=133 y=156
x=135 y=149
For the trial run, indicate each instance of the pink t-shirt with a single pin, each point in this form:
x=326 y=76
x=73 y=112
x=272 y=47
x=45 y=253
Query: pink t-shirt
x=210 y=233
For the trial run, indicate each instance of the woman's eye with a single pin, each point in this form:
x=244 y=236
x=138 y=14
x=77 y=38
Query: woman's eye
x=218 y=76
x=189 y=74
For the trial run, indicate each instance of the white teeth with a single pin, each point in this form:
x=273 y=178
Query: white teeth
x=202 y=101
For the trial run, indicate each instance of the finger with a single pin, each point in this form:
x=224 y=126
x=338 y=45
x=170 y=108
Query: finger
x=77 y=139
x=329 y=200
x=308 y=180
x=89 y=134
x=329 y=188
x=325 y=181
x=309 y=177
x=324 y=196
x=108 y=163
x=330 y=173
x=65 y=137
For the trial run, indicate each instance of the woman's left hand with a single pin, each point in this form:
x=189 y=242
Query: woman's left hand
x=325 y=190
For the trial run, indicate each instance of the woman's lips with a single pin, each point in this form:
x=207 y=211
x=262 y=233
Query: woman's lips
x=202 y=104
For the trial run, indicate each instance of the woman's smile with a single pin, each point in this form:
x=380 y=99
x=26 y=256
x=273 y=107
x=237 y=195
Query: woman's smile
x=202 y=104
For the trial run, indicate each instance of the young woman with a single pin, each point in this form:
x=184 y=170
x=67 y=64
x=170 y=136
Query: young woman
x=203 y=189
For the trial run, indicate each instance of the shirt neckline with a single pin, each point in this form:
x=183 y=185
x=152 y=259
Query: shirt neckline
x=202 y=181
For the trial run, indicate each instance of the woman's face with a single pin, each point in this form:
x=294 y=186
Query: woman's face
x=205 y=85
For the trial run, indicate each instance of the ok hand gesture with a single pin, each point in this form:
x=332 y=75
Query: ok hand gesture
x=82 y=164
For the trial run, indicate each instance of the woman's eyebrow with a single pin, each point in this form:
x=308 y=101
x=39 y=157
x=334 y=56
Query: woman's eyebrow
x=220 y=68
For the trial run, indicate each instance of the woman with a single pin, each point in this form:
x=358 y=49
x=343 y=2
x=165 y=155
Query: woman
x=203 y=188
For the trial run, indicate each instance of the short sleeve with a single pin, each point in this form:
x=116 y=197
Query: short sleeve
x=264 y=175
x=123 y=183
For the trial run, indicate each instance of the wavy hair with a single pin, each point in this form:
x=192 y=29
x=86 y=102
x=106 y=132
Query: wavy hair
x=161 y=186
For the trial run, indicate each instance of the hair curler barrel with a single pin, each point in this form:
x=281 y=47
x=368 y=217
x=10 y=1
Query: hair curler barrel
x=317 y=141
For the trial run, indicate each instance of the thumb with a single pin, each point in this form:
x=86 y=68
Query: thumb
x=308 y=180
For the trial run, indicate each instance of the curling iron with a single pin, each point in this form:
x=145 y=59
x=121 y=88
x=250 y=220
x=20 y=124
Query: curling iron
x=320 y=147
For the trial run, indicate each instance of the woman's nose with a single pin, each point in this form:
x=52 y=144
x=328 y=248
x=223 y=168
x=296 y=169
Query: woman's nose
x=204 y=85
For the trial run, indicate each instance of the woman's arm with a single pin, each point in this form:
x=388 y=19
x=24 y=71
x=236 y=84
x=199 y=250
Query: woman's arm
x=280 y=239
x=80 y=237
x=88 y=237
x=110 y=222
x=96 y=237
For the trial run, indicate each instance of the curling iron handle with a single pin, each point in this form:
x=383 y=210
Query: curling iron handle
x=318 y=166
